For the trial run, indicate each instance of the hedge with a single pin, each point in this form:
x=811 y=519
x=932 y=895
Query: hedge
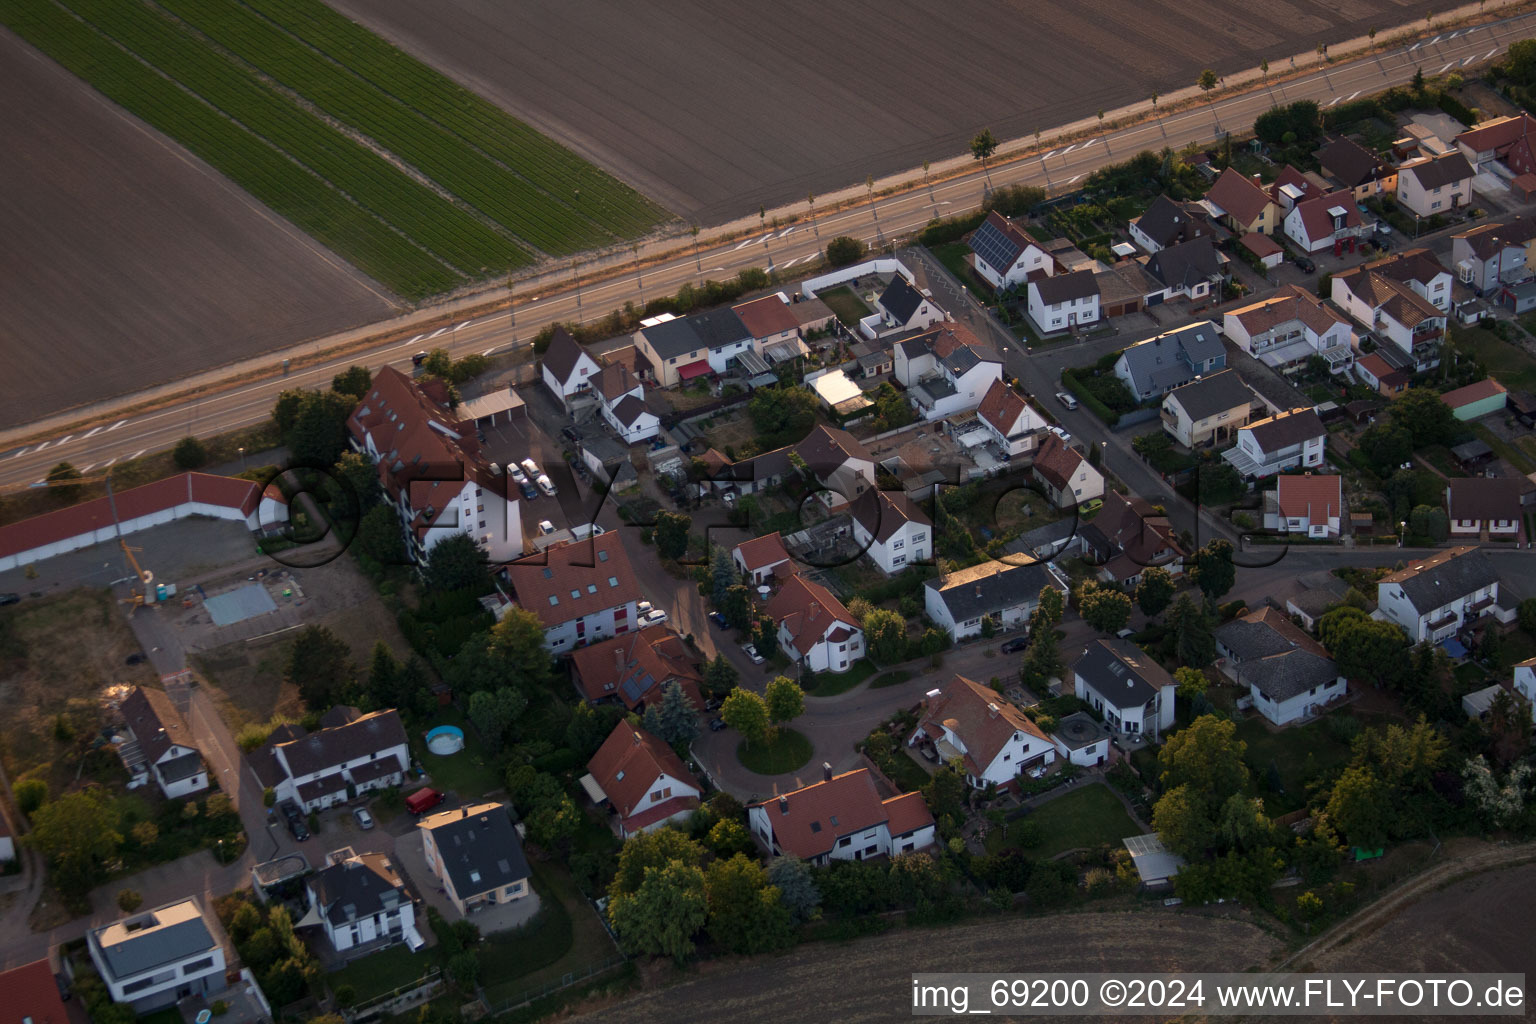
x=1070 y=381
x=950 y=229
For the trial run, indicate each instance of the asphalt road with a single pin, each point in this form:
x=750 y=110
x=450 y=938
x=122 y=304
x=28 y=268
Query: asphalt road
x=107 y=435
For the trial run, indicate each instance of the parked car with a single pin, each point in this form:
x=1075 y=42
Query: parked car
x=1066 y=438
x=529 y=491
x=751 y=652
x=6 y=599
x=423 y=800
x=1306 y=264
x=719 y=619
x=515 y=472
x=713 y=704
x=654 y=617
x=1090 y=506
x=546 y=485
x=546 y=527
x=1066 y=400
x=569 y=433
x=364 y=819
x=295 y=819
x=1015 y=645
x=716 y=724
x=531 y=468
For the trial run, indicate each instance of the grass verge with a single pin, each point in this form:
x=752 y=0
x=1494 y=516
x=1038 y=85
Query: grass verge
x=786 y=752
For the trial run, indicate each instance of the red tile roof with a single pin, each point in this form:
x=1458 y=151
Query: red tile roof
x=983 y=720
x=91 y=516
x=1057 y=462
x=807 y=610
x=1382 y=370
x=906 y=814
x=569 y=581
x=629 y=762
x=657 y=653
x=767 y=316
x=1002 y=406
x=1289 y=303
x=761 y=552
x=1316 y=219
x=882 y=513
x=1260 y=245
x=1476 y=392
x=31 y=994
x=808 y=822
x=1315 y=497
x=1239 y=196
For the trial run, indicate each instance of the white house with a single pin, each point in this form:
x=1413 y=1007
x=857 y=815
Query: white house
x=1288 y=674
x=1128 y=535
x=477 y=855
x=1012 y=422
x=761 y=557
x=361 y=900
x=1490 y=256
x=1483 y=505
x=892 y=530
x=772 y=322
x=155 y=958
x=1434 y=597
x=1525 y=679
x=1126 y=685
x=582 y=591
x=1290 y=327
x=1167 y=222
x=642 y=780
x=567 y=369
x=993 y=738
x=352 y=753
x=1005 y=255
x=621 y=400
x=815 y=630
x=1005 y=592
x=161 y=747
x=1064 y=301
x=681 y=349
x=1311 y=504
x=1065 y=474
x=842 y=817
x=432 y=468
x=1501 y=139
x=1330 y=221
x=1294 y=439
x=1208 y=410
x=1397 y=311
x=1191 y=270
x=946 y=370
x=1432 y=185
x=1081 y=740
x=1418 y=269
x=904 y=308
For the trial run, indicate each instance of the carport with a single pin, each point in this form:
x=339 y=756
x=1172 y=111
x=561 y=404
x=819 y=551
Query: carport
x=500 y=406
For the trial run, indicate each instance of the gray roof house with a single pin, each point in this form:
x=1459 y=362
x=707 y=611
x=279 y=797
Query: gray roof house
x=1167 y=222
x=1158 y=365
x=1188 y=269
x=1004 y=591
x=1126 y=685
x=478 y=854
x=152 y=959
x=1434 y=597
x=1289 y=675
x=361 y=899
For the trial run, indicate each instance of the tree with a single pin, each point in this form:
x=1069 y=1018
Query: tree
x=1155 y=591
x=1049 y=610
x=843 y=251
x=737 y=606
x=589 y=726
x=1509 y=727
x=885 y=636
x=1527 y=612
x=1207 y=756
x=1367 y=648
x=1422 y=413
x=1242 y=824
x=647 y=850
x=285 y=411
x=1194 y=642
x=1386 y=444
x=456 y=562
x=1104 y=608
x=1214 y=572
x=554 y=823
x=1429 y=522
x=722 y=574
x=353 y=382
x=746 y=914
x=1220 y=483
x=783 y=414
x=60 y=477
x=78 y=834
x=663 y=913
x=945 y=792
x=129 y=900
x=728 y=837
x=1519 y=62
x=1192 y=682
x=1498 y=802
x=30 y=795
x=360 y=477
x=383 y=671
x=378 y=536
x=319 y=432
x=1207 y=81
x=1044 y=661
x=320 y=665
x=1182 y=821
x=493 y=711
x=518 y=639
x=797 y=889
x=671 y=532
x=785 y=700
x=747 y=713
x=189 y=453
x=1358 y=808
x=720 y=676
x=765 y=636
x=676 y=720
x=982 y=148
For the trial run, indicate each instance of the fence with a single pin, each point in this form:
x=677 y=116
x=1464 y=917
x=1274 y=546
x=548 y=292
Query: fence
x=837 y=277
x=566 y=981
x=397 y=1001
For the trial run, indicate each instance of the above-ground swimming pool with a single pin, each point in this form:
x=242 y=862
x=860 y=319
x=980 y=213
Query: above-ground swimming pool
x=445 y=739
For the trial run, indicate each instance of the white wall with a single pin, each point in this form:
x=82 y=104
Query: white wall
x=810 y=287
x=1300 y=706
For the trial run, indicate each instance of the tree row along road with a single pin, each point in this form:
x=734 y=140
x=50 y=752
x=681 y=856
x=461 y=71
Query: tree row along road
x=113 y=437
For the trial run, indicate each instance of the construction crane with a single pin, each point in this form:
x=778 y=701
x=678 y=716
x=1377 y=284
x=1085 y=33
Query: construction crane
x=144 y=593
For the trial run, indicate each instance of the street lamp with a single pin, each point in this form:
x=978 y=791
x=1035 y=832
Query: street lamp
x=242 y=458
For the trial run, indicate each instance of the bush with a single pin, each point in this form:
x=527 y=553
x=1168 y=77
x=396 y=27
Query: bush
x=189 y=453
x=950 y=229
x=843 y=251
x=30 y=795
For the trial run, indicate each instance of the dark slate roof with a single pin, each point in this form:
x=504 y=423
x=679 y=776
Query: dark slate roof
x=882 y=513
x=150 y=944
x=999 y=241
x=1042 y=539
x=561 y=356
x=183 y=767
x=1121 y=672
x=1164 y=361
x=629 y=410
x=1167 y=221
x=1210 y=395
x=353 y=889
x=989 y=587
x=1432 y=582
x=155 y=722
x=1185 y=264
x=713 y=329
x=1439 y=171
x=328 y=747
x=961 y=359
x=1349 y=161
x=481 y=851
x=1284 y=675
x=1282 y=430
x=1066 y=287
x=900 y=299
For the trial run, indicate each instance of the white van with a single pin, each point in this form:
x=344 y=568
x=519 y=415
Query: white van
x=546 y=485
x=531 y=468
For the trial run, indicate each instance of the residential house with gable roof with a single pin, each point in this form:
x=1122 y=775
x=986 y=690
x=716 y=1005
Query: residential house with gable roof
x=772 y=322
x=582 y=592
x=477 y=854
x=1525 y=679
x=990 y=735
x=761 y=558
x=1329 y=221
x=1155 y=366
x=1127 y=536
x=904 y=308
x=1356 y=168
x=838 y=461
x=1288 y=674
x=432 y=469
x=1126 y=685
x=815 y=630
x=1168 y=222
x=1065 y=474
x=567 y=369
x=1311 y=504
x=842 y=817
x=1434 y=185
x=1375 y=372
x=161 y=748
x=1290 y=327
x=1484 y=507
x=1063 y=301
x=946 y=370
x=1242 y=204
x=1011 y=420
x=1396 y=311
x=1294 y=439
x=1480 y=398
x=635 y=668
x=1291 y=187
x=352 y=753
x=32 y=994
x=1005 y=255
x=1005 y=592
x=1491 y=256
x=891 y=529
x=1418 y=269
x=361 y=900
x=1506 y=139
x=1208 y=410
x=642 y=780
x=1187 y=270
x=621 y=399
x=685 y=348
x=1436 y=597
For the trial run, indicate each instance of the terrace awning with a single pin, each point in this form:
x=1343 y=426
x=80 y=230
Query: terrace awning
x=693 y=370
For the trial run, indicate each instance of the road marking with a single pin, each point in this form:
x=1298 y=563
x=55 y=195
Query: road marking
x=1069 y=149
x=1074 y=178
x=87 y=469
x=136 y=454
x=489 y=351
x=789 y=263
x=45 y=444
x=461 y=326
x=1352 y=96
x=416 y=339
x=1453 y=35
x=1469 y=60
x=1447 y=67
x=1415 y=46
x=93 y=433
x=1490 y=53
x=435 y=333
x=1332 y=102
x=67 y=438
x=1090 y=142
x=743 y=245
x=108 y=463
x=114 y=426
x=786 y=231
x=1048 y=156
x=21 y=453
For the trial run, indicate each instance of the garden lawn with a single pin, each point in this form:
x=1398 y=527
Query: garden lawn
x=568 y=940
x=953 y=256
x=469 y=773
x=1087 y=817
x=830 y=684
x=1509 y=363
x=388 y=969
x=850 y=309
x=895 y=678
x=907 y=772
x=1289 y=750
x=787 y=751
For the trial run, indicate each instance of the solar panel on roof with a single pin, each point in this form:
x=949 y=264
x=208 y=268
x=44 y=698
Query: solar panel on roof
x=996 y=248
x=631 y=690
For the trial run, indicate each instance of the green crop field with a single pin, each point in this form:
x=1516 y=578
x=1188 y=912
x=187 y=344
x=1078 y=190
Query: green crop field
x=421 y=184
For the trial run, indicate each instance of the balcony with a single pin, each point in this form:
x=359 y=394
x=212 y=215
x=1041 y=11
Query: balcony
x=1476 y=607
x=1448 y=619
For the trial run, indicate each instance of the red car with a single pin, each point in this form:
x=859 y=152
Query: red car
x=423 y=800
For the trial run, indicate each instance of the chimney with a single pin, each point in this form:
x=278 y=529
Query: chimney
x=637 y=738
x=991 y=709
x=826 y=771
x=1258 y=180
x=783 y=805
x=978 y=591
